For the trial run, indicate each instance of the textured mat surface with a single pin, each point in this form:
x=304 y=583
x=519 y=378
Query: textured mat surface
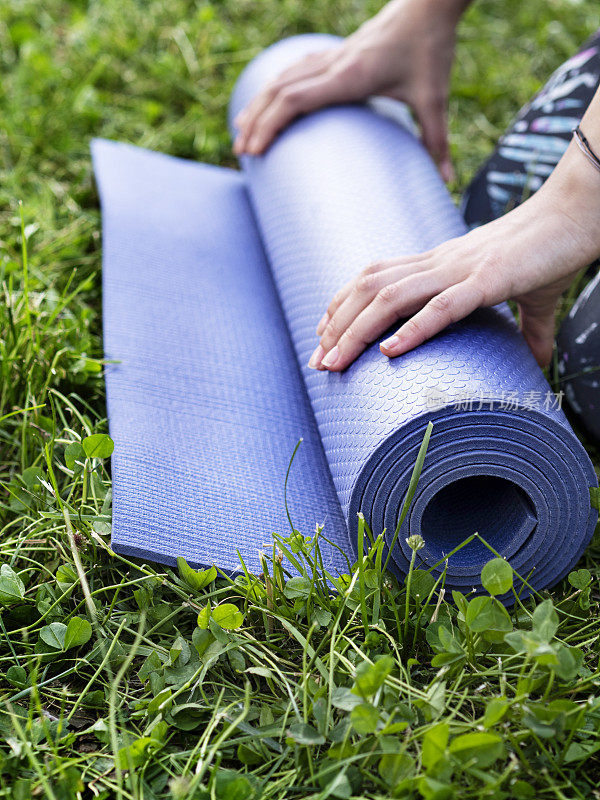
x=209 y=399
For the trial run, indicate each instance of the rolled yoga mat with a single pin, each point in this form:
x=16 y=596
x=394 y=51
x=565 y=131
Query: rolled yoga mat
x=212 y=336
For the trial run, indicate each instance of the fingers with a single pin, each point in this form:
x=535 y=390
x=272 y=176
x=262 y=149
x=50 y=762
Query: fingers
x=381 y=266
x=538 y=329
x=309 y=65
x=247 y=118
x=393 y=301
x=338 y=298
x=363 y=292
x=322 y=323
x=294 y=99
x=434 y=127
x=250 y=121
x=450 y=305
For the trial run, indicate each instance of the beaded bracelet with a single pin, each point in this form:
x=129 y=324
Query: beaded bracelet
x=586 y=148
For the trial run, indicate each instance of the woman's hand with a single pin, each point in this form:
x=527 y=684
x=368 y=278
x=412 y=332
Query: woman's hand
x=530 y=255
x=404 y=52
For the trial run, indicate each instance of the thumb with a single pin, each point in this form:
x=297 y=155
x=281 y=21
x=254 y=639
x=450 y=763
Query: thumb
x=432 y=117
x=537 y=324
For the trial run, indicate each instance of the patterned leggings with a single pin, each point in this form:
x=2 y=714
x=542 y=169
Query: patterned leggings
x=521 y=162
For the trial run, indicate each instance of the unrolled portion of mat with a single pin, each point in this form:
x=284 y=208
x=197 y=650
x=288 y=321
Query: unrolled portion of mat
x=212 y=390
x=205 y=400
x=346 y=187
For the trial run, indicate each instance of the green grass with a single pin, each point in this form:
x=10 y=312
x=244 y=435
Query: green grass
x=109 y=687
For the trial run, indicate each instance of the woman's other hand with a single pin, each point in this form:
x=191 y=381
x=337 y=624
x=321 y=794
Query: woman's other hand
x=404 y=52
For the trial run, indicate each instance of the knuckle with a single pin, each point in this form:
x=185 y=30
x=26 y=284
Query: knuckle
x=335 y=302
x=331 y=332
x=366 y=284
x=442 y=250
x=442 y=304
x=352 y=71
x=290 y=96
x=491 y=262
x=351 y=335
x=374 y=268
x=347 y=69
x=388 y=294
x=479 y=288
x=274 y=87
x=413 y=328
x=304 y=62
x=485 y=276
x=314 y=60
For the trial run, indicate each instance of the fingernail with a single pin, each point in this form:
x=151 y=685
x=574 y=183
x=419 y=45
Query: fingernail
x=315 y=359
x=331 y=358
x=322 y=324
x=391 y=343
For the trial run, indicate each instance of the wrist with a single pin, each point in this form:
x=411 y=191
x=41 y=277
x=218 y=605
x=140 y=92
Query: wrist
x=575 y=189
